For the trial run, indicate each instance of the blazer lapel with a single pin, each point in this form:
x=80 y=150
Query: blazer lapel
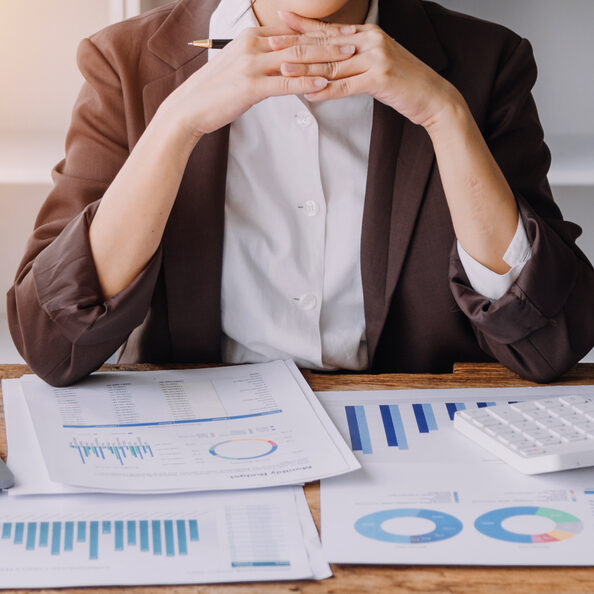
x=192 y=260
x=401 y=159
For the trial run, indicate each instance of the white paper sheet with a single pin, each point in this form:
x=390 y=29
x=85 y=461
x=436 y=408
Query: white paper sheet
x=428 y=495
x=220 y=428
x=458 y=514
x=93 y=540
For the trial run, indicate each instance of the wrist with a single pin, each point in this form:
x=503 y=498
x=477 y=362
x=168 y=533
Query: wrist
x=451 y=115
x=174 y=130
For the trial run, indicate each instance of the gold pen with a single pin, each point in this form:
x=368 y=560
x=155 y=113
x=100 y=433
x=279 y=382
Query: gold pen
x=210 y=43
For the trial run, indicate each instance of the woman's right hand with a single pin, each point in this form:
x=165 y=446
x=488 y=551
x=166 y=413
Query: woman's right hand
x=244 y=73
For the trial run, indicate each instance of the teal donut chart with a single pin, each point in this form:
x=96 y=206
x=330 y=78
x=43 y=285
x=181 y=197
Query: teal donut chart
x=272 y=445
x=566 y=525
x=446 y=526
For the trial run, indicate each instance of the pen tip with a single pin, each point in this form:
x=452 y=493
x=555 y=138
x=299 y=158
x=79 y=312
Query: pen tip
x=190 y=43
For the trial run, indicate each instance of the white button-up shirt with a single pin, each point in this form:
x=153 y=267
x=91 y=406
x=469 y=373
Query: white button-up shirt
x=296 y=179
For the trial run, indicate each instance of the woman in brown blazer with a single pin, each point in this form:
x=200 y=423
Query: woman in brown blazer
x=128 y=248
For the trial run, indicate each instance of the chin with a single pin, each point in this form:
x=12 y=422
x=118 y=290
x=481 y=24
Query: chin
x=313 y=9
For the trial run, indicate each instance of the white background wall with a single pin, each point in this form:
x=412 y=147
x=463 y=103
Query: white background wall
x=40 y=81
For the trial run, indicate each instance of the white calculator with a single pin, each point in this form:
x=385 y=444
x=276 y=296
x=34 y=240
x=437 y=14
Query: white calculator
x=535 y=436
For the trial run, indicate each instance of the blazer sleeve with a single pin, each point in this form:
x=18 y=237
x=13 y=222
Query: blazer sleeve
x=58 y=318
x=544 y=324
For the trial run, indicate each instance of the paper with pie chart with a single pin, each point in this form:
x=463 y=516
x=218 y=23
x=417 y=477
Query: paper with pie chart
x=237 y=427
x=458 y=515
x=427 y=495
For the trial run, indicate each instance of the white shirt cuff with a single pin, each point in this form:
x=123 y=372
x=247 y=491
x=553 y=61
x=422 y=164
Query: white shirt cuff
x=490 y=284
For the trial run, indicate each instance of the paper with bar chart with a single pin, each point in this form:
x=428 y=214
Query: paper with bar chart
x=408 y=425
x=93 y=540
x=201 y=429
x=428 y=495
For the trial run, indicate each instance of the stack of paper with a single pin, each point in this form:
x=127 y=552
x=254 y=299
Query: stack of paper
x=428 y=495
x=159 y=437
x=248 y=426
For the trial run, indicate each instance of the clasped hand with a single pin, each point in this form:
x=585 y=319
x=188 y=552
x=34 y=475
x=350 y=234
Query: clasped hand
x=320 y=60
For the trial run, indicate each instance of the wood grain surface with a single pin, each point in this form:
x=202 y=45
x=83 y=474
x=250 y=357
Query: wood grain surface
x=352 y=579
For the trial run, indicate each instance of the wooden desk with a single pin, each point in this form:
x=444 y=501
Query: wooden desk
x=350 y=579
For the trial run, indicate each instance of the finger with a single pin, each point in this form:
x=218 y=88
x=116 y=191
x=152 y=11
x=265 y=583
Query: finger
x=281 y=85
x=305 y=25
x=328 y=70
x=346 y=87
x=278 y=42
x=306 y=54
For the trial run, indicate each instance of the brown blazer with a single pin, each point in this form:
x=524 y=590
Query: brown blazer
x=421 y=313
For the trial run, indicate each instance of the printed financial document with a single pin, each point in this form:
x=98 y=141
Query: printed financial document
x=428 y=495
x=96 y=540
x=235 y=427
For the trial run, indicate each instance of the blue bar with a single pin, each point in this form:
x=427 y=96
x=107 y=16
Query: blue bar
x=119 y=535
x=144 y=539
x=69 y=536
x=31 y=536
x=131 y=532
x=388 y=425
x=398 y=427
x=180 y=422
x=56 y=536
x=453 y=407
x=485 y=404
x=193 y=530
x=363 y=430
x=430 y=417
x=106 y=527
x=7 y=529
x=157 y=548
x=353 y=428
x=80 y=452
x=182 y=543
x=585 y=492
x=19 y=532
x=44 y=534
x=81 y=532
x=169 y=548
x=94 y=540
x=420 y=417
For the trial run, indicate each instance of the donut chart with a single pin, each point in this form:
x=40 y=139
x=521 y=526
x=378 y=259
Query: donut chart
x=446 y=526
x=245 y=448
x=566 y=525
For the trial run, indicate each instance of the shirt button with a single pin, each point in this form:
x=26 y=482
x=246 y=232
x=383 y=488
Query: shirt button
x=311 y=208
x=303 y=119
x=308 y=302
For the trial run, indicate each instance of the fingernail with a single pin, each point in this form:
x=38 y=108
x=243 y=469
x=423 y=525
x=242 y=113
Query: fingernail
x=320 y=82
x=348 y=29
x=347 y=49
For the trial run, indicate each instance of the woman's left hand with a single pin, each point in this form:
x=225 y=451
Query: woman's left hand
x=380 y=67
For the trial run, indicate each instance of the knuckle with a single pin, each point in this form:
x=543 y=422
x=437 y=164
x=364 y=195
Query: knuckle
x=299 y=52
x=333 y=69
x=286 y=84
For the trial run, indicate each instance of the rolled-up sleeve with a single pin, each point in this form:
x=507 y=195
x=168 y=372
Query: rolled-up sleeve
x=544 y=323
x=58 y=318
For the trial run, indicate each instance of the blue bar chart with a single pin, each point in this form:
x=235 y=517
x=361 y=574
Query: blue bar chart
x=160 y=537
x=122 y=450
x=378 y=429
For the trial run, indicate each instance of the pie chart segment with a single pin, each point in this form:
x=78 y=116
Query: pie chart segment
x=566 y=525
x=445 y=526
x=247 y=448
